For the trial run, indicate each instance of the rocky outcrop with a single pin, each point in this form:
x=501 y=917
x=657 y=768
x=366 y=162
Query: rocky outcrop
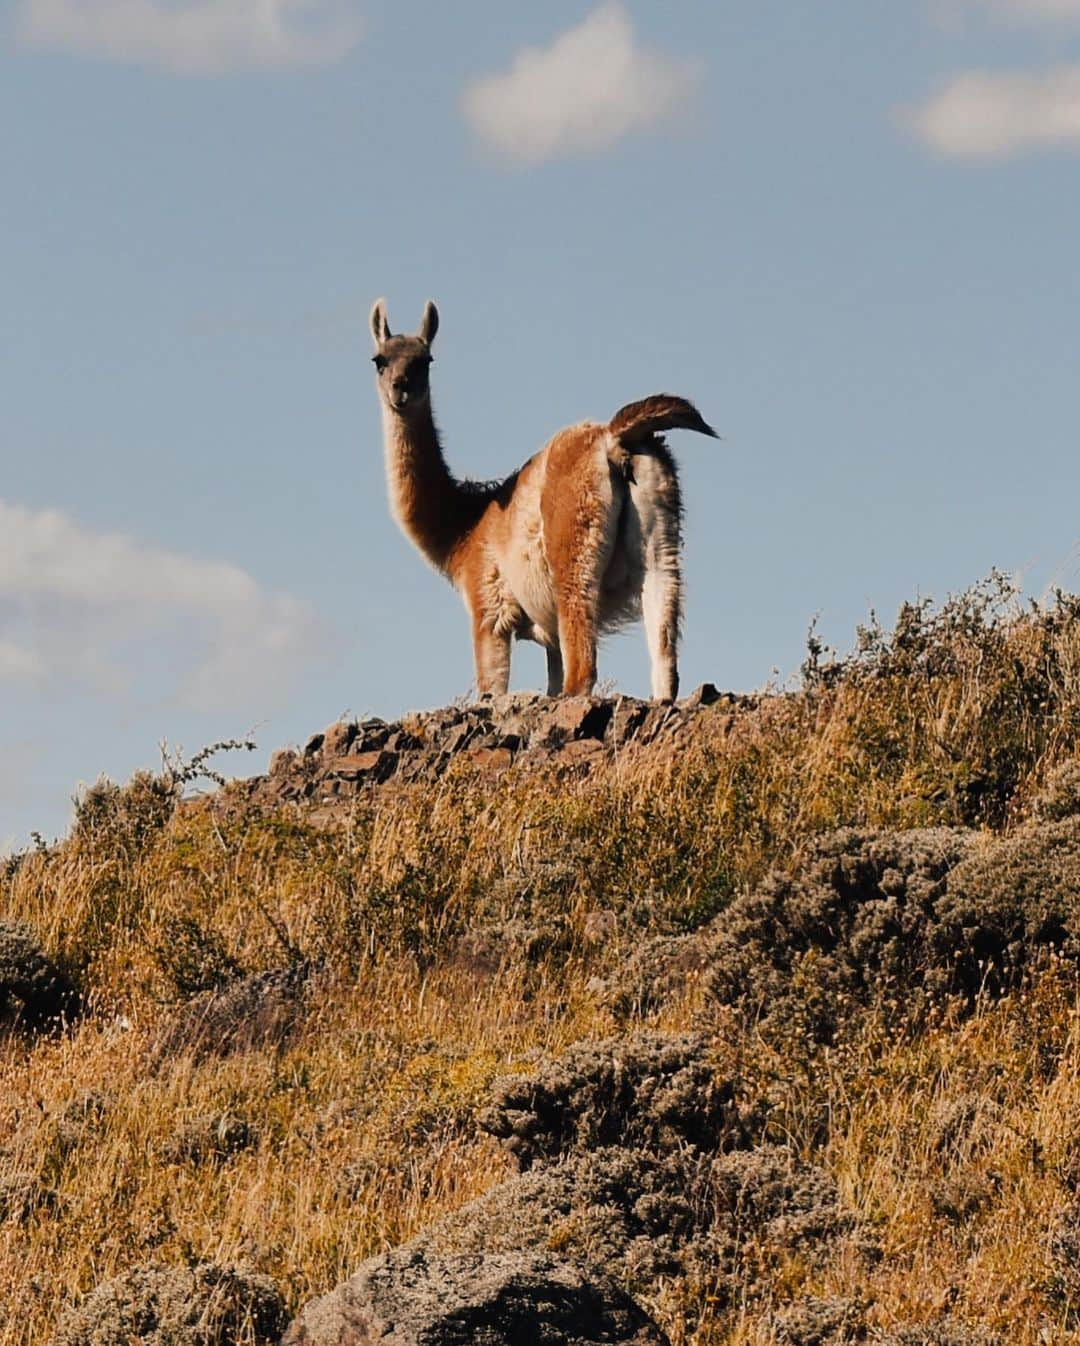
x=409 y=1297
x=492 y=736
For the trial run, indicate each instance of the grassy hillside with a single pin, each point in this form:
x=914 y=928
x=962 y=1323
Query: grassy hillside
x=448 y=935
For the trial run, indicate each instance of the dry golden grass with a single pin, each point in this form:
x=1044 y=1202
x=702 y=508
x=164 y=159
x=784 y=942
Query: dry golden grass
x=363 y=1122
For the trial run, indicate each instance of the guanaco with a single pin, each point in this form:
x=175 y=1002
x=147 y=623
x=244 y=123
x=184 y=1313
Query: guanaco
x=581 y=540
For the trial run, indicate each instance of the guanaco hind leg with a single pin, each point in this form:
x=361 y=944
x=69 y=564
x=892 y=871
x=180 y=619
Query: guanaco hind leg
x=654 y=496
x=581 y=506
x=660 y=605
x=491 y=653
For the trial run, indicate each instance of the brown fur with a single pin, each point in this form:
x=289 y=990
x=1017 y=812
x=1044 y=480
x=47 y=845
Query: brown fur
x=581 y=539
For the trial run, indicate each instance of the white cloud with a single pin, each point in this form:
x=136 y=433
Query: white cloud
x=981 y=114
x=593 y=85
x=105 y=611
x=196 y=37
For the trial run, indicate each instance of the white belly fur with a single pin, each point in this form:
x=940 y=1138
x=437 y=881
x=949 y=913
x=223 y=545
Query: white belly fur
x=524 y=566
x=525 y=571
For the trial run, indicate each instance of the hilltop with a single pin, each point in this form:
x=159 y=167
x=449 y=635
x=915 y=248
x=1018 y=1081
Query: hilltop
x=747 y=1020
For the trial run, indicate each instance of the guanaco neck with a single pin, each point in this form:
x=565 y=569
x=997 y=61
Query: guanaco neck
x=433 y=508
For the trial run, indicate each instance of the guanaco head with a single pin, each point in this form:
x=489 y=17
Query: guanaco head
x=402 y=362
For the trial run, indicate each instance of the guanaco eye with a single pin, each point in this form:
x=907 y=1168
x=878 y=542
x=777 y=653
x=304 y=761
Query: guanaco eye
x=380 y=362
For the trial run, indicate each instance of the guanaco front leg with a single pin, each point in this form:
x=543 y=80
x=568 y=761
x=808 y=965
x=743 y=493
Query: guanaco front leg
x=554 y=670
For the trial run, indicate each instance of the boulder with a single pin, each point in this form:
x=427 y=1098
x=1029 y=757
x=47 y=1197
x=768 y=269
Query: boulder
x=411 y=1298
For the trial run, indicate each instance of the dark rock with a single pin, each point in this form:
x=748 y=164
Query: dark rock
x=626 y=719
x=576 y=733
x=410 y=1297
x=373 y=733
x=34 y=994
x=515 y=729
x=655 y=720
x=154 y=1305
x=704 y=695
x=573 y=717
x=376 y=765
x=582 y=755
x=459 y=738
x=401 y=741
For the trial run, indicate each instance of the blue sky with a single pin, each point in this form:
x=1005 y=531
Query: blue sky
x=847 y=231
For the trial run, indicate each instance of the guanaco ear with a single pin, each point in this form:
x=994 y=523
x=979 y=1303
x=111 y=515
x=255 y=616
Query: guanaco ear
x=429 y=323
x=380 y=327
